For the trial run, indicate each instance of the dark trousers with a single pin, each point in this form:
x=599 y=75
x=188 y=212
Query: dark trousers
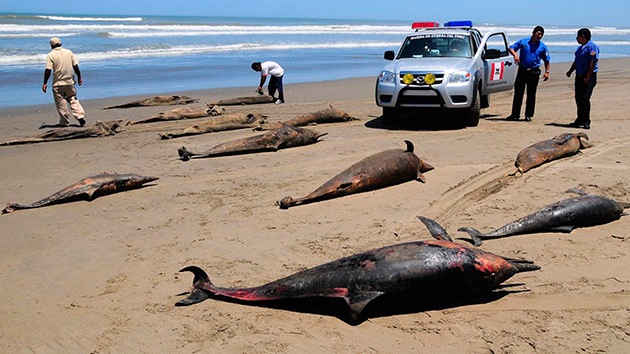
x=529 y=79
x=275 y=83
x=583 y=92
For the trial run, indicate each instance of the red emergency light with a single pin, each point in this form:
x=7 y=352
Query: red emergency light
x=417 y=25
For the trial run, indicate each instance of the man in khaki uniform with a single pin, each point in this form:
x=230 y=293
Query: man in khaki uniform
x=61 y=62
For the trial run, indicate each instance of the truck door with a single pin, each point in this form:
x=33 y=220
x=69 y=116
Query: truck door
x=499 y=65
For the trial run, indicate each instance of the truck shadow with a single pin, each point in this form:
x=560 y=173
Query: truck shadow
x=426 y=120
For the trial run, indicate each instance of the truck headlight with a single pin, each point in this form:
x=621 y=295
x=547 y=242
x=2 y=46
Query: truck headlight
x=459 y=76
x=386 y=76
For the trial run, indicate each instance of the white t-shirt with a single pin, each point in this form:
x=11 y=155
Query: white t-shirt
x=271 y=67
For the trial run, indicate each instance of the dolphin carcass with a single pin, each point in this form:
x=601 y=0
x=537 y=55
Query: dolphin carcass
x=563 y=216
x=560 y=146
x=88 y=189
x=434 y=268
x=220 y=123
x=383 y=169
x=99 y=129
x=157 y=101
x=182 y=113
x=282 y=138
x=237 y=101
x=328 y=115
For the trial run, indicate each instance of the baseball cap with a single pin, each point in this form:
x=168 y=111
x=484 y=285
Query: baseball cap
x=55 y=41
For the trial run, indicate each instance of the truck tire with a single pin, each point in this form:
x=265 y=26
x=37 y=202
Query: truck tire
x=474 y=112
x=390 y=115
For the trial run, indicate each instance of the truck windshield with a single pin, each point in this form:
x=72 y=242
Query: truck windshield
x=436 y=45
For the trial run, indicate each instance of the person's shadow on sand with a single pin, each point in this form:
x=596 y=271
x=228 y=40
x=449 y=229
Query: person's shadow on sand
x=563 y=125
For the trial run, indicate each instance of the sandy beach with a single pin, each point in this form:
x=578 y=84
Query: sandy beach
x=102 y=276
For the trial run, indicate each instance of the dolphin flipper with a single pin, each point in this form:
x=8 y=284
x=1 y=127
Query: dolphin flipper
x=358 y=302
x=436 y=230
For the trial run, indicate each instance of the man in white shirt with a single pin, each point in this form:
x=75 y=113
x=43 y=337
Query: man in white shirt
x=62 y=64
x=275 y=81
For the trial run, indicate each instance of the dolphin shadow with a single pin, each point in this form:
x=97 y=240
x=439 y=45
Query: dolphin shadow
x=384 y=306
x=48 y=126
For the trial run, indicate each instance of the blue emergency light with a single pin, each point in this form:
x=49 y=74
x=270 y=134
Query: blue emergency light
x=464 y=23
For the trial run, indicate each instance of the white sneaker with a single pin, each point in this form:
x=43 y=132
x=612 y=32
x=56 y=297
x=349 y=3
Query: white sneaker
x=278 y=102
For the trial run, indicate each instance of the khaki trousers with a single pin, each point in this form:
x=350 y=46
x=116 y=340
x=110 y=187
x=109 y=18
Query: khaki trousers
x=65 y=95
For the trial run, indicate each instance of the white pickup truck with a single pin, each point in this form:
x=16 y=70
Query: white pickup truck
x=451 y=67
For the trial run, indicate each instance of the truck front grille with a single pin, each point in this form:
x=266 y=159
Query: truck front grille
x=419 y=79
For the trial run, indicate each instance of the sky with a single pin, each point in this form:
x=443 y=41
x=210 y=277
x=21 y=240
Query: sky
x=581 y=13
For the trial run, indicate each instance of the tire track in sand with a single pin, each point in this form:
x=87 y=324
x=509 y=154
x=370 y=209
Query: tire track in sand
x=491 y=181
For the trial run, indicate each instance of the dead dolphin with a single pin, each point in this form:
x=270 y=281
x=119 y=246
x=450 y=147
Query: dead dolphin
x=283 y=138
x=220 y=123
x=182 y=113
x=88 y=189
x=328 y=115
x=245 y=100
x=436 y=267
x=97 y=130
x=563 y=216
x=383 y=169
x=157 y=101
x=560 y=146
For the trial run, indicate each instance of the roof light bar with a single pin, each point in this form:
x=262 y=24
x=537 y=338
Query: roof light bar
x=463 y=23
x=417 y=25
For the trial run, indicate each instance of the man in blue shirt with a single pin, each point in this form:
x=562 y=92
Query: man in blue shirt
x=531 y=51
x=585 y=67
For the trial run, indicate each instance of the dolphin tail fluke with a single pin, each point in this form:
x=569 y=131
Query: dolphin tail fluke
x=184 y=154
x=200 y=274
x=287 y=202
x=517 y=173
x=200 y=281
x=436 y=230
x=195 y=296
x=11 y=207
x=583 y=138
x=474 y=234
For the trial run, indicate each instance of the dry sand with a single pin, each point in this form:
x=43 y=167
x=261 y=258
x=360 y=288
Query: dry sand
x=102 y=276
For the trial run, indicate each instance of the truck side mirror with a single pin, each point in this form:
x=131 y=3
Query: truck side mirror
x=389 y=55
x=492 y=54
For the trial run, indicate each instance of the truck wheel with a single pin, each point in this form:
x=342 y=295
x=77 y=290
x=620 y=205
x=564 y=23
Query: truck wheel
x=474 y=112
x=390 y=115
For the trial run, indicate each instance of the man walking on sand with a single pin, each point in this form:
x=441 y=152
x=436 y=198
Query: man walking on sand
x=63 y=64
x=275 y=82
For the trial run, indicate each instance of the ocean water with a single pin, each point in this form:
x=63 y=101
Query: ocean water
x=136 y=55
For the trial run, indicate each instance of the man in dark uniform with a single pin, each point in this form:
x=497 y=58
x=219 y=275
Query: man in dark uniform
x=585 y=67
x=531 y=51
